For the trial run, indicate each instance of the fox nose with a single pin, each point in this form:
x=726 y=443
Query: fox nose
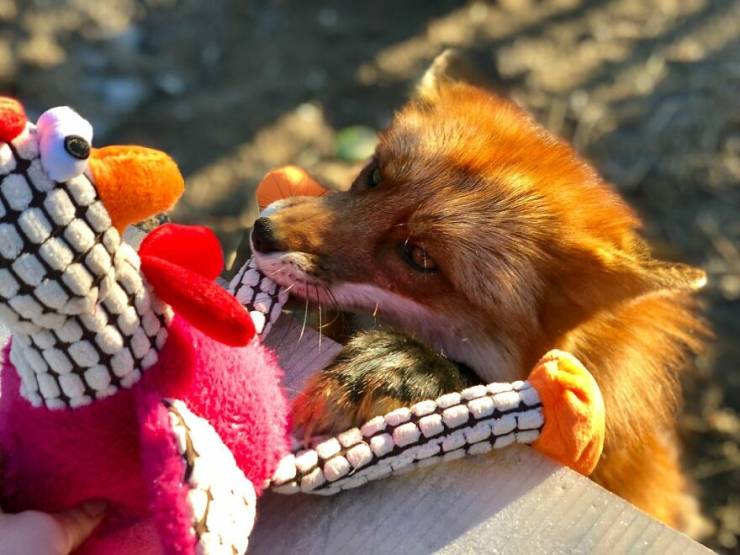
x=263 y=238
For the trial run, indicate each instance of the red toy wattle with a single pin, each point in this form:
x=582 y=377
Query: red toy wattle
x=181 y=262
x=203 y=303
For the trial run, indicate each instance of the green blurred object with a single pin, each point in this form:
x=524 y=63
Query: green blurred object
x=355 y=143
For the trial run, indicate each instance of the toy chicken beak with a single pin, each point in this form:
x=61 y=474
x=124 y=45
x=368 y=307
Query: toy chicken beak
x=135 y=182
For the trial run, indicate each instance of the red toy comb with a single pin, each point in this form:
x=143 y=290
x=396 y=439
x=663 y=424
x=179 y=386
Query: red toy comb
x=12 y=118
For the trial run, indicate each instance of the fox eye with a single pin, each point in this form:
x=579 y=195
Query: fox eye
x=374 y=177
x=418 y=258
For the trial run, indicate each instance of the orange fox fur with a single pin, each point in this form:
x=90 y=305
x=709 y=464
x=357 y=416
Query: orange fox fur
x=531 y=250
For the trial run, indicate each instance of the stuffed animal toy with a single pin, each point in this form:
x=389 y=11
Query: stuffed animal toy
x=558 y=409
x=130 y=378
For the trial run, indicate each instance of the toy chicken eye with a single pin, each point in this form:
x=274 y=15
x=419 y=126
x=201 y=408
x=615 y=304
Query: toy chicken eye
x=418 y=258
x=77 y=147
x=64 y=143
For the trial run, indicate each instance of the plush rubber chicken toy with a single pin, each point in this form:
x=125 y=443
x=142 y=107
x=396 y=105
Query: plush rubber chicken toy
x=130 y=377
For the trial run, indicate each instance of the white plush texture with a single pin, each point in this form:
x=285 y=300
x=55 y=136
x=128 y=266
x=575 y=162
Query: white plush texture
x=313 y=480
x=26 y=306
x=381 y=444
x=53 y=127
x=336 y=468
x=406 y=434
x=35 y=225
x=329 y=448
x=424 y=407
x=39 y=179
x=529 y=396
x=360 y=455
x=504 y=424
x=431 y=425
x=455 y=416
x=477 y=433
x=29 y=269
x=449 y=400
x=286 y=469
x=219 y=495
x=350 y=437
x=530 y=419
x=494 y=388
x=58 y=361
x=481 y=407
x=473 y=392
x=52 y=294
x=373 y=426
x=306 y=460
x=57 y=255
x=72 y=385
x=453 y=441
x=9 y=286
x=7 y=161
x=452 y=427
x=17 y=192
x=98 y=216
x=507 y=400
x=11 y=243
x=59 y=206
x=81 y=190
x=504 y=441
x=398 y=416
x=260 y=295
x=122 y=363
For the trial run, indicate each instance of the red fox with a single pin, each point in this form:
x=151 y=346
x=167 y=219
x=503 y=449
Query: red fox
x=485 y=241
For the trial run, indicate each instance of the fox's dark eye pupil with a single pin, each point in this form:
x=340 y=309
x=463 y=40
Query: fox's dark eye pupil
x=77 y=147
x=418 y=258
x=375 y=177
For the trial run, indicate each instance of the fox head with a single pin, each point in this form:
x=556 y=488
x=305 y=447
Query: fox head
x=472 y=228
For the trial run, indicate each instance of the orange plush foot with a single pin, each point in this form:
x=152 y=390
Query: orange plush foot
x=573 y=408
x=288 y=181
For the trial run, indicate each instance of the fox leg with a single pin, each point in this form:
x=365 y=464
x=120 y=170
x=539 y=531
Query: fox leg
x=376 y=372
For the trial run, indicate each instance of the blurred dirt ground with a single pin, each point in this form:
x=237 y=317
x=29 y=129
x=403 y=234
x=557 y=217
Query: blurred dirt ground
x=648 y=90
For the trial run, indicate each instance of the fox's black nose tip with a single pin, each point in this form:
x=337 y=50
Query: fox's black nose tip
x=263 y=238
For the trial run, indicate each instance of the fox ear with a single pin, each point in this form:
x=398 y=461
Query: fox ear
x=449 y=66
x=600 y=279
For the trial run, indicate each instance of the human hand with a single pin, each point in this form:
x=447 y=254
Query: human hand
x=49 y=534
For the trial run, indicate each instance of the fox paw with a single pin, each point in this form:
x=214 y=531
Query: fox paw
x=376 y=372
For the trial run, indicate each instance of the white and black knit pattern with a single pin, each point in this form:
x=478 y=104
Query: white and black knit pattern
x=84 y=322
x=221 y=498
x=471 y=422
x=261 y=296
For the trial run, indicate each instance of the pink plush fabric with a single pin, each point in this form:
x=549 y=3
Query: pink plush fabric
x=119 y=449
x=164 y=470
x=235 y=389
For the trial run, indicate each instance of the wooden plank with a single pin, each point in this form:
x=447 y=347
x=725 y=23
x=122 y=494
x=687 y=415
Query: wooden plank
x=515 y=501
